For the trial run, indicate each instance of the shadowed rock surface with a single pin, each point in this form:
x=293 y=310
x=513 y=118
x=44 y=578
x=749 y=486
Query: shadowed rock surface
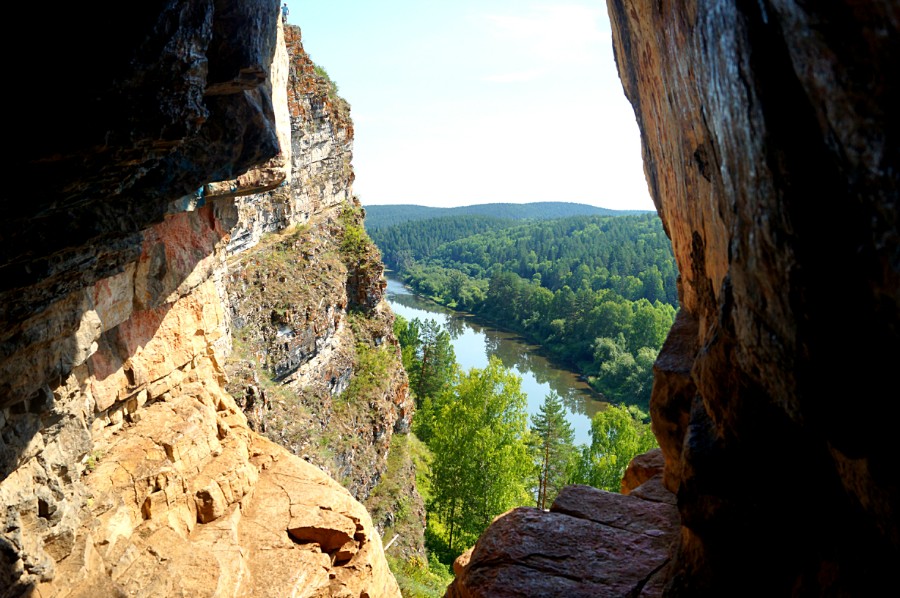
x=770 y=143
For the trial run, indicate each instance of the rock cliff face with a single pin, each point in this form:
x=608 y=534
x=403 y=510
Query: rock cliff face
x=771 y=148
x=770 y=144
x=125 y=466
x=306 y=296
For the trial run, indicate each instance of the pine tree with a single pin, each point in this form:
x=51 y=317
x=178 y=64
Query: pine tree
x=428 y=356
x=436 y=361
x=553 y=448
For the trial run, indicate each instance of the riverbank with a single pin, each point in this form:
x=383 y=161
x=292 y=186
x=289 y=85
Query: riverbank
x=475 y=340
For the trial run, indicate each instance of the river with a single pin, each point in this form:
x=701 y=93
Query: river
x=473 y=342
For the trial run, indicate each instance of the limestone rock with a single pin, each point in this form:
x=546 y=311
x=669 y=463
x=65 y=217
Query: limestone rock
x=315 y=161
x=292 y=288
x=276 y=171
x=125 y=468
x=113 y=158
x=590 y=543
x=179 y=509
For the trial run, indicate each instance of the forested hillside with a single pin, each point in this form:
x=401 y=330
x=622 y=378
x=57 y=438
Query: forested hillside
x=385 y=216
x=596 y=291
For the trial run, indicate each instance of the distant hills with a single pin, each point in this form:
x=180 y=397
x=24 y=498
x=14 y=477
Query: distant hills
x=383 y=216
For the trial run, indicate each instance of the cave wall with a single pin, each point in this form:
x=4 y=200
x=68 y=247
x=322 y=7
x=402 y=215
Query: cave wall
x=126 y=468
x=770 y=142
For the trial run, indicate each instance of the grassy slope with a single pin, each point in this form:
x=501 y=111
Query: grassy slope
x=408 y=468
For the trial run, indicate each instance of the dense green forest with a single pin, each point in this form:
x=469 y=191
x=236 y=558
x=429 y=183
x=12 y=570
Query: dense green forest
x=597 y=292
x=385 y=216
x=485 y=457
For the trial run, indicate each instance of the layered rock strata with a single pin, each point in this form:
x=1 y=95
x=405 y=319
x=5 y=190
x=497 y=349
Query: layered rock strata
x=309 y=320
x=317 y=155
x=126 y=467
x=306 y=295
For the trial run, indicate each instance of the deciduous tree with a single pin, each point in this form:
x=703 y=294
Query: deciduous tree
x=617 y=435
x=481 y=460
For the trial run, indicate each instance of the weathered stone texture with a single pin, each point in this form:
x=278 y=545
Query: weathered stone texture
x=770 y=142
x=590 y=543
x=120 y=127
x=293 y=286
x=291 y=298
x=125 y=468
x=318 y=173
x=188 y=500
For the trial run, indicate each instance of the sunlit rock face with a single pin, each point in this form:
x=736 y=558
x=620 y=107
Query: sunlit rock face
x=770 y=142
x=316 y=154
x=301 y=305
x=125 y=466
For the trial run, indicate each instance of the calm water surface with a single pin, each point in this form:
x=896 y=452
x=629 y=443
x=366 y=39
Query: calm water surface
x=474 y=342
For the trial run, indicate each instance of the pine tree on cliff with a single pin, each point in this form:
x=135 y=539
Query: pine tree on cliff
x=553 y=448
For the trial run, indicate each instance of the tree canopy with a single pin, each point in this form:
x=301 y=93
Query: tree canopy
x=428 y=356
x=480 y=451
x=484 y=458
x=618 y=434
x=565 y=283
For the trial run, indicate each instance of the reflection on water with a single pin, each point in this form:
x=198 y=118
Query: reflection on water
x=474 y=343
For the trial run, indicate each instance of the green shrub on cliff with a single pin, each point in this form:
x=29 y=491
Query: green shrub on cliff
x=322 y=73
x=371 y=377
x=355 y=243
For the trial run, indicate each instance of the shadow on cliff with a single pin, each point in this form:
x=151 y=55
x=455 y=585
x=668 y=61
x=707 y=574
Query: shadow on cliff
x=152 y=107
x=68 y=381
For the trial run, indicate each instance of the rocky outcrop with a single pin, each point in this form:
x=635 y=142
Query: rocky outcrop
x=306 y=295
x=770 y=145
x=111 y=158
x=183 y=499
x=125 y=466
x=303 y=341
x=590 y=543
x=317 y=155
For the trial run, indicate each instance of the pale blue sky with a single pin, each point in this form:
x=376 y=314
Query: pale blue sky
x=474 y=101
